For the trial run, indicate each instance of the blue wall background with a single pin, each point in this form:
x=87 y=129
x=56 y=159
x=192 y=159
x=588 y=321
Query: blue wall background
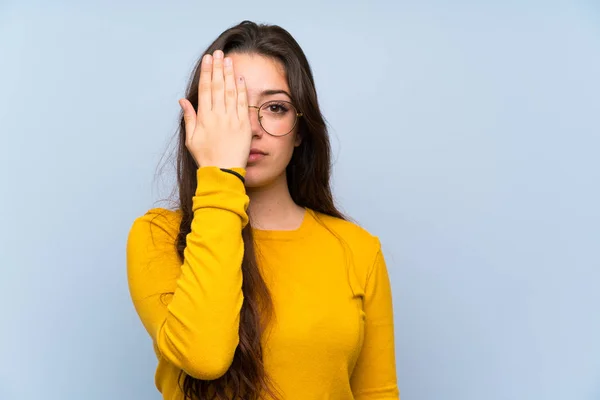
x=466 y=135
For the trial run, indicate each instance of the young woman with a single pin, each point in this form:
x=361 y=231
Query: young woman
x=256 y=286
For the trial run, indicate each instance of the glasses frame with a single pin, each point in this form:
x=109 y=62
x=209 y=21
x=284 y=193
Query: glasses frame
x=298 y=115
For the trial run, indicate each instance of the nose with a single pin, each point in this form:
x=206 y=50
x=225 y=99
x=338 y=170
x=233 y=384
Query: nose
x=255 y=126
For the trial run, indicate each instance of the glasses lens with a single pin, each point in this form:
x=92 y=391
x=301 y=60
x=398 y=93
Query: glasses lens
x=278 y=117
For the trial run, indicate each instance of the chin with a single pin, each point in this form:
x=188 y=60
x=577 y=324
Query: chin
x=258 y=177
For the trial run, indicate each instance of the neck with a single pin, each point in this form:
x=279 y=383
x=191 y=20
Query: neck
x=272 y=208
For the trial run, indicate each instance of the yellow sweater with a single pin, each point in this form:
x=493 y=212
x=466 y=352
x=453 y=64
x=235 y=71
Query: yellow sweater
x=332 y=334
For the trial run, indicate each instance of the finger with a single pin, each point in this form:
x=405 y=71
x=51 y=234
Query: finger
x=189 y=118
x=230 y=89
x=204 y=84
x=242 y=100
x=218 y=83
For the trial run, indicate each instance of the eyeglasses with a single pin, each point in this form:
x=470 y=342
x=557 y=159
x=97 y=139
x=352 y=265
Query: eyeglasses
x=277 y=117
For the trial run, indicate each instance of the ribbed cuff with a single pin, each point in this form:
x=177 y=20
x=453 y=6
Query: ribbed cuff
x=221 y=190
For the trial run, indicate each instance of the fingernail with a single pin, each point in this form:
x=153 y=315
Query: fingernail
x=218 y=54
x=227 y=62
x=207 y=59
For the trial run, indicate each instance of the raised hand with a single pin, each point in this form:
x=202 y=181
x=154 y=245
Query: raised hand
x=219 y=133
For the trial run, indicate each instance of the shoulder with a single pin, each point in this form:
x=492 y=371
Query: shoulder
x=153 y=263
x=151 y=252
x=349 y=231
x=362 y=244
x=160 y=222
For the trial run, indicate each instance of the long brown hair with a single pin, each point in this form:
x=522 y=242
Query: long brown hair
x=308 y=177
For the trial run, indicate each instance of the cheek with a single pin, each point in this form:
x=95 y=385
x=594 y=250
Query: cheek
x=280 y=154
x=285 y=149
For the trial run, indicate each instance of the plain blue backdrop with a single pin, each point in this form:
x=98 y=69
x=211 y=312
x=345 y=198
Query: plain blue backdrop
x=466 y=136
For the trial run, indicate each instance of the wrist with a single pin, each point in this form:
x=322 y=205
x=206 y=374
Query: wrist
x=235 y=173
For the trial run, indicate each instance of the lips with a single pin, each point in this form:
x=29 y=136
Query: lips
x=257 y=151
x=256 y=155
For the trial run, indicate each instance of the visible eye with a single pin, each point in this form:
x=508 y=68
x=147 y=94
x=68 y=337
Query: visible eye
x=276 y=108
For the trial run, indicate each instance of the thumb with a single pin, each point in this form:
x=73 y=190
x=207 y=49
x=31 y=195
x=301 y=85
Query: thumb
x=189 y=116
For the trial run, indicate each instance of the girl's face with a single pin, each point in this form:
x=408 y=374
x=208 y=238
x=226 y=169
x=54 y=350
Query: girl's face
x=266 y=82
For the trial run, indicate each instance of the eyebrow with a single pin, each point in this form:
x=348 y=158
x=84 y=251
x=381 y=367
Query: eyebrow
x=272 y=92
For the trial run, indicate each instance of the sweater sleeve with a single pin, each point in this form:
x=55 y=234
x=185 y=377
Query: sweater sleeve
x=374 y=375
x=192 y=309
